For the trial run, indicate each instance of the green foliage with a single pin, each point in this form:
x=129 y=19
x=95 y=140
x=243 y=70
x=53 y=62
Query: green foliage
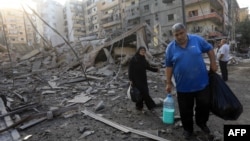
x=243 y=28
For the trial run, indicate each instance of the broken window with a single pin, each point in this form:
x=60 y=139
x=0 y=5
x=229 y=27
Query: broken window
x=170 y=17
x=167 y=1
x=193 y=13
x=148 y=22
x=156 y=17
x=197 y=29
x=146 y=8
x=170 y=32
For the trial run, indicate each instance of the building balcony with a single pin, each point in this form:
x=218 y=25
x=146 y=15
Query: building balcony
x=77 y=18
x=131 y=16
x=104 y=16
x=209 y=16
x=217 y=3
x=111 y=24
x=90 y=5
x=134 y=6
x=78 y=25
x=214 y=34
x=91 y=14
x=79 y=33
x=109 y=5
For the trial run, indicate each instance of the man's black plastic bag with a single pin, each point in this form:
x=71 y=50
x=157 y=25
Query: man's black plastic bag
x=224 y=103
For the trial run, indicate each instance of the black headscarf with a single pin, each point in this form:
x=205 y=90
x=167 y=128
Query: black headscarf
x=141 y=47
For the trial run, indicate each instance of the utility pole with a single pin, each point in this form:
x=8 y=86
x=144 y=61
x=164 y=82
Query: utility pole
x=233 y=18
x=183 y=12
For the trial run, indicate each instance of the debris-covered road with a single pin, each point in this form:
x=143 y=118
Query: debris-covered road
x=54 y=91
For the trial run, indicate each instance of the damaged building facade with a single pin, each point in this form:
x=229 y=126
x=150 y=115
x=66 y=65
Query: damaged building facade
x=76 y=19
x=69 y=89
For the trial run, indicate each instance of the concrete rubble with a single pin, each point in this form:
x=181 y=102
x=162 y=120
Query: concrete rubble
x=54 y=79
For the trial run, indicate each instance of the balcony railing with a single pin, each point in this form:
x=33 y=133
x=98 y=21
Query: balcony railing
x=134 y=6
x=109 y=5
x=215 y=16
x=78 y=25
x=131 y=16
x=79 y=33
x=111 y=23
x=217 y=2
x=104 y=16
x=77 y=18
x=215 y=34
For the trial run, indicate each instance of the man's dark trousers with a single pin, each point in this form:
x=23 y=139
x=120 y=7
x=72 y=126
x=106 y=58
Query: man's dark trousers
x=223 y=68
x=186 y=103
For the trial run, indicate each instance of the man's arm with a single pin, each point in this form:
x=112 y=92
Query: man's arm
x=169 y=72
x=221 y=56
x=211 y=56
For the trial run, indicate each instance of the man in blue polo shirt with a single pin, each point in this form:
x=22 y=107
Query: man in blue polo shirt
x=185 y=62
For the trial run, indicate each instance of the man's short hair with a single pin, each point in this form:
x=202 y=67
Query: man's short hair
x=224 y=41
x=177 y=27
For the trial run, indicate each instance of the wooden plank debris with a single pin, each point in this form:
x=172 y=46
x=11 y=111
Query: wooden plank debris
x=32 y=123
x=48 y=92
x=7 y=121
x=122 y=127
x=24 y=99
x=20 y=109
x=94 y=77
x=55 y=113
x=108 y=122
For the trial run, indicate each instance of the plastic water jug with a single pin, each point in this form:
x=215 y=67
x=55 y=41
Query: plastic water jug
x=168 y=110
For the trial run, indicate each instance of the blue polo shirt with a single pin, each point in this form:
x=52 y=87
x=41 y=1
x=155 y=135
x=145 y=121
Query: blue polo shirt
x=189 y=68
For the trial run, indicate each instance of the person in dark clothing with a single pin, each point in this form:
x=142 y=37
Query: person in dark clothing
x=138 y=78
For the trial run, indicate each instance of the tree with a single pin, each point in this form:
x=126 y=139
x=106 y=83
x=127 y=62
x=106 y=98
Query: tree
x=243 y=28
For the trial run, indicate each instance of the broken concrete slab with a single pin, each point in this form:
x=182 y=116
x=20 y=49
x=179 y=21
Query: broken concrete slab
x=82 y=98
x=36 y=66
x=99 y=106
x=30 y=54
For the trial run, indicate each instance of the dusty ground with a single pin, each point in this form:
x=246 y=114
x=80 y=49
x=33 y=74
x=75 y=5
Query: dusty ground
x=121 y=110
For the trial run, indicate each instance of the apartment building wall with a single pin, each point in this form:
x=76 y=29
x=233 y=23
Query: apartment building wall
x=205 y=18
x=158 y=15
x=38 y=22
x=169 y=14
x=92 y=19
x=109 y=12
x=161 y=15
x=243 y=14
x=130 y=13
x=74 y=20
x=227 y=23
x=233 y=18
x=2 y=37
x=18 y=29
x=52 y=13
